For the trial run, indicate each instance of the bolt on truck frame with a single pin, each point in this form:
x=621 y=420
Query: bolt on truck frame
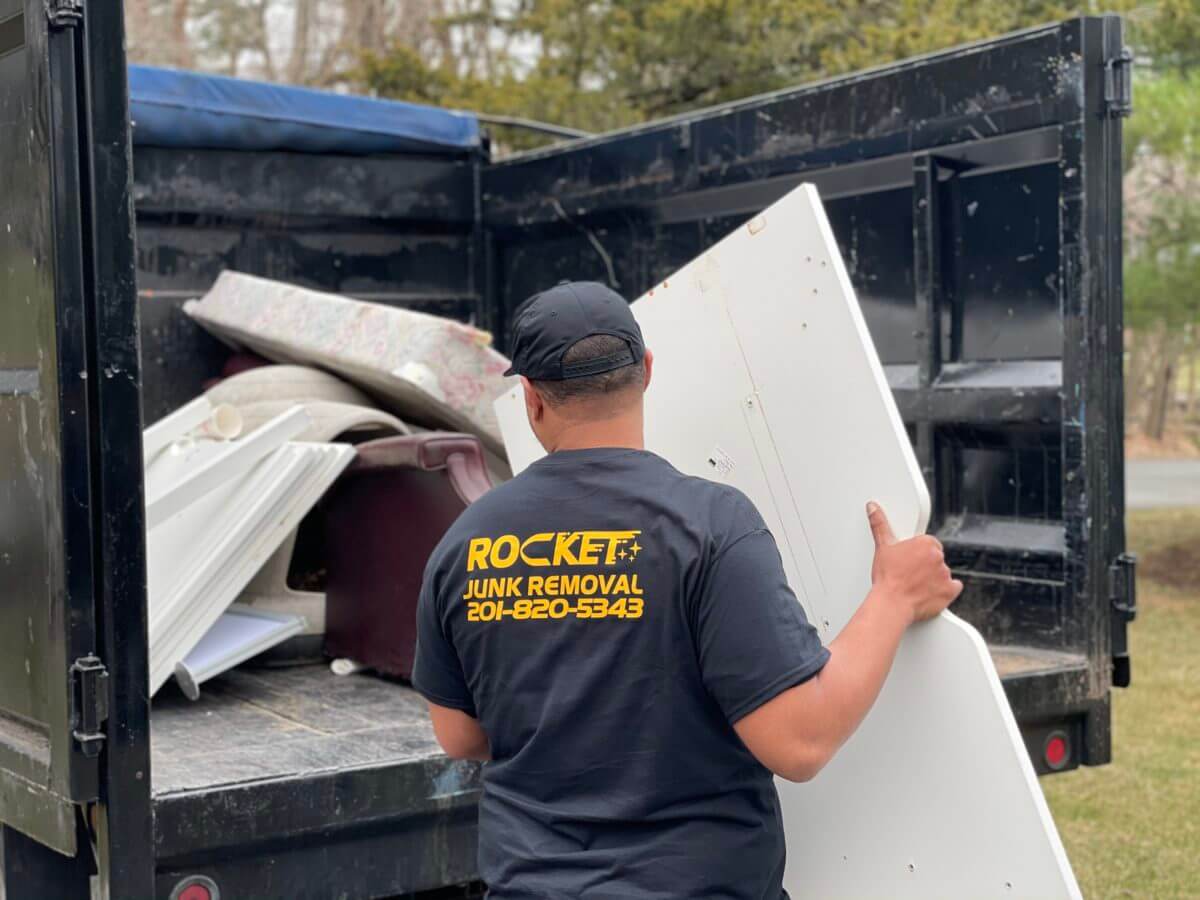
x=976 y=194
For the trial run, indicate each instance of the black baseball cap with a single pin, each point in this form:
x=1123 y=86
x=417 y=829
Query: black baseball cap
x=548 y=324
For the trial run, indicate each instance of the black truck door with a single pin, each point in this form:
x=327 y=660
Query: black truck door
x=72 y=583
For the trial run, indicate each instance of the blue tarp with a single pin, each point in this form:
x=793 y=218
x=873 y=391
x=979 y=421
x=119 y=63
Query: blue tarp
x=173 y=108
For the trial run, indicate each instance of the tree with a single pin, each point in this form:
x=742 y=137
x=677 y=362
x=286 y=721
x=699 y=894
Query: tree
x=157 y=32
x=1162 y=306
x=1166 y=32
x=299 y=41
x=598 y=64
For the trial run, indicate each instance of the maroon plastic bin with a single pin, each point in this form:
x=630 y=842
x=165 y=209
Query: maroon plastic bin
x=382 y=520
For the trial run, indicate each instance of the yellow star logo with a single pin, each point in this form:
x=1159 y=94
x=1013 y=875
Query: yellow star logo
x=634 y=549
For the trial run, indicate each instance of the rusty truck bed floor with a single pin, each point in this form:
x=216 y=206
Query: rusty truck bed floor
x=254 y=724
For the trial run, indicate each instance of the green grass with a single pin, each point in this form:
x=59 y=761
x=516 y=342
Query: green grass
x=1132 y=828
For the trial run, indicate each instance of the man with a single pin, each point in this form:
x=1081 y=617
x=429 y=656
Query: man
x=619 y=642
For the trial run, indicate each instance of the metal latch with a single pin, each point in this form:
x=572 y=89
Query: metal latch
x=1122 y=598
x=89 y=703
x=64 y=13
x=1118 y=84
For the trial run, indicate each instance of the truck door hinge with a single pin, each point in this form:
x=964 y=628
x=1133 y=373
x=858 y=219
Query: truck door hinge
x=89 y=704
x=64 y=13
x=1118 y=84
x=1122 y=598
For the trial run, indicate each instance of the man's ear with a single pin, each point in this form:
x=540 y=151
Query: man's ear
x=648 y=363
x=535 y=406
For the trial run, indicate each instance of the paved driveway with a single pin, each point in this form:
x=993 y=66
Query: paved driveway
x=1151 y=483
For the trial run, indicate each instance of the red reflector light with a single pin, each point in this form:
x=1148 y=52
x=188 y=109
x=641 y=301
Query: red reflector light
x=1056 y=751
x=196 y=887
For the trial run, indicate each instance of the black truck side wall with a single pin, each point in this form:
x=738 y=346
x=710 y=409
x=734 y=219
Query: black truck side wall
x=976 y=201
x=400 y=230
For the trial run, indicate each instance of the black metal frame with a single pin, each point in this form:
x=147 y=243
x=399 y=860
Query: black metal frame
x=123 y=821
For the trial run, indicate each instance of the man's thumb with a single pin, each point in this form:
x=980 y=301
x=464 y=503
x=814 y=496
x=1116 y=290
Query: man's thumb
x=881 y=529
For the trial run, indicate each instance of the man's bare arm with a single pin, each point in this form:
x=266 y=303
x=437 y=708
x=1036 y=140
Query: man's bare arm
x=460 y=735
x=796 y=733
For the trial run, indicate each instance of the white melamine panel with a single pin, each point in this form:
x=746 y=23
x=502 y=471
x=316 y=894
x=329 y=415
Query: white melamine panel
x=230 y=459
x=199 y=559
x=765 y=378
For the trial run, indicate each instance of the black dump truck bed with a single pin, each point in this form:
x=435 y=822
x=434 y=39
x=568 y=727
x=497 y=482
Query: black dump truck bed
x=340 y=775
x=975 y=194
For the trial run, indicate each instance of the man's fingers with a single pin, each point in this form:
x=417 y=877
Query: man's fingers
x=881 y=529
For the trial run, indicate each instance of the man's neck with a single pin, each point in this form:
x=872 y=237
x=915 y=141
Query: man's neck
x=621 y=431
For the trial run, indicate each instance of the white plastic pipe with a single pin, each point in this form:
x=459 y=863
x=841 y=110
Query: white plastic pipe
x=171 y=428
x=224 y=424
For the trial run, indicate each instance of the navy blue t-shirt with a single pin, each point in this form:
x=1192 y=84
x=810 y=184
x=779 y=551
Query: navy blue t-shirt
x=607 y=619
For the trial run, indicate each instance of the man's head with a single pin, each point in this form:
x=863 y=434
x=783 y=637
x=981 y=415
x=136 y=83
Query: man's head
x=583 y=365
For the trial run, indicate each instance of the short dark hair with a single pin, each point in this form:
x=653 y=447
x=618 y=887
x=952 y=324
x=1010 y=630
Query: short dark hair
x=588 y=387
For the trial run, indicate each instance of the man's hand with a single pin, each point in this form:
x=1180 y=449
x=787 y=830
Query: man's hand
x=913 y=572
x=797 y=732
